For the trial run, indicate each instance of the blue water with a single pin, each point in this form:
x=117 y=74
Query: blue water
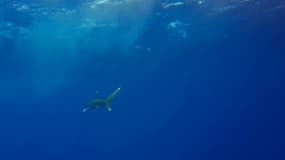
x=199 y=79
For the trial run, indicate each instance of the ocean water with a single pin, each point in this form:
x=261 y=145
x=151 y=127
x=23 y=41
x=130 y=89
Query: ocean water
x=199 y=79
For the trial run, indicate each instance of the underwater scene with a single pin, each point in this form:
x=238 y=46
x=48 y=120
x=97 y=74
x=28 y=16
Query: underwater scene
x=142 y=79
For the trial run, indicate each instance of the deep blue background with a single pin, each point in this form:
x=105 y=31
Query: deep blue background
x=216 y=94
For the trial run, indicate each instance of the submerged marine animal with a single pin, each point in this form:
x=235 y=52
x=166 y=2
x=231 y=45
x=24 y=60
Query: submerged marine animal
x=99 y=102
